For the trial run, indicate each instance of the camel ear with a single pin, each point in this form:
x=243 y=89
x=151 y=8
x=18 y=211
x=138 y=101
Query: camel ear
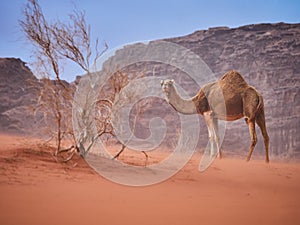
x=161 y=82
x=172 y=81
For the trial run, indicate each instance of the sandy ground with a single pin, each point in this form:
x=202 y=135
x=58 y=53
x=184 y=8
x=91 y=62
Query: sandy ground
x=34 y=189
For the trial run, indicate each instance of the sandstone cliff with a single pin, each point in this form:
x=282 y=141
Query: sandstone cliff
x=17 y=97
x=267 y=55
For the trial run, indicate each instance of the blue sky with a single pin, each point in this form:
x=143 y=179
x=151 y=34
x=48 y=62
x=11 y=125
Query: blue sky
x=119 y=22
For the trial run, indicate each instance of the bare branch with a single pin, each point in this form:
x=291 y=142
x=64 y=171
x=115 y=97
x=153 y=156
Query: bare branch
x=38 y=31
x=55 y=42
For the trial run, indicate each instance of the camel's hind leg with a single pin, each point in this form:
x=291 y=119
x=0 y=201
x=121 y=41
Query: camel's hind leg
x=251 y=125
x=260 y=120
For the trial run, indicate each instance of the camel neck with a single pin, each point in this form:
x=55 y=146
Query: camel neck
x=184 y=106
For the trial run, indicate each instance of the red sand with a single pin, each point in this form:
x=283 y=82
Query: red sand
x=34 y=189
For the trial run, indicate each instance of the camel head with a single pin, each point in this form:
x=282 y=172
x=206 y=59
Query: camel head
x=167 y=85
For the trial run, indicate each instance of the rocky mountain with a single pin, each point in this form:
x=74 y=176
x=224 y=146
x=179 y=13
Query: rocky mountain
x=17 y=96
x=267 y=55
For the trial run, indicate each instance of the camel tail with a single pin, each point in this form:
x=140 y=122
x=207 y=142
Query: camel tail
x=260 y=105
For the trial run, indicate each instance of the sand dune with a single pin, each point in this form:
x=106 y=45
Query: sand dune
x=34 y=189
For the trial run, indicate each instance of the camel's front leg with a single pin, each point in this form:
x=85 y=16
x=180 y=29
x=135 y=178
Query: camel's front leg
x=217 y=136
x=211 y=133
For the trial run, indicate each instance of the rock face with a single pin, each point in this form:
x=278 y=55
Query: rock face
x=17 y=97
x=267 y=55
x=19 y=93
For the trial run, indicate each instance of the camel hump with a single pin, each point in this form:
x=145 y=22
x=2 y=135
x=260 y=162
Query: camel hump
x=233 y=77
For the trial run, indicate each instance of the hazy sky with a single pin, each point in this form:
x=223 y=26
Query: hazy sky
x=119 y=22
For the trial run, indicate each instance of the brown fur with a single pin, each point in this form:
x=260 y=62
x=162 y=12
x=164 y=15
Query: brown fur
x=231 y=98
x=241 y=100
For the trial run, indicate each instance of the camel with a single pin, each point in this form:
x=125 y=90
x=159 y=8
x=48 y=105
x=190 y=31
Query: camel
x=240 y=100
